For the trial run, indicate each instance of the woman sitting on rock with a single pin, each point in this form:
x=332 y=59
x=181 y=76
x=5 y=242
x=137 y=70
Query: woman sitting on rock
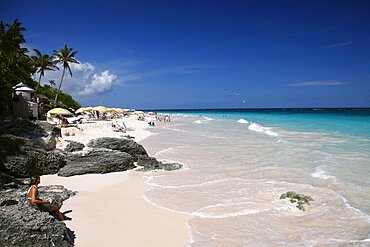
x=42 y=205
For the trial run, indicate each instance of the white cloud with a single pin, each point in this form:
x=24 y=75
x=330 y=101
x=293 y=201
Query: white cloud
x=85 y=80
x=100 y=83
x=317 y=83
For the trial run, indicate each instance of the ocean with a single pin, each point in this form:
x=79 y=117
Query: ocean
x=237 y=164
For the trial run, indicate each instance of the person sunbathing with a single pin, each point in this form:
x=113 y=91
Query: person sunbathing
x=42 y=205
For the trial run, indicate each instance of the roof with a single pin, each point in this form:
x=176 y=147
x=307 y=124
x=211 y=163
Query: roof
x=22 y=87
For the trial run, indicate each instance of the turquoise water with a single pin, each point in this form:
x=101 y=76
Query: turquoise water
x=239 y=162
x=353 y=124
x=342 y=121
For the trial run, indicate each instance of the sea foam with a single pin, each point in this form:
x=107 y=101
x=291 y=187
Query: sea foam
x=226 y=210
x=320 y=173
x=170 y=149
x=206 y=119
x=150 y=183
x=242 y=121
x=258 y=128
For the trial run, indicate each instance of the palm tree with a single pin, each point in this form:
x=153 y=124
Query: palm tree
x=15 y=65
x=11 y=40
x=52 y=83
x=64 y=57
x=43 y=62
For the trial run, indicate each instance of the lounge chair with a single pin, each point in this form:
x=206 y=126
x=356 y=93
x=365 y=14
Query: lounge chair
x=119 y=126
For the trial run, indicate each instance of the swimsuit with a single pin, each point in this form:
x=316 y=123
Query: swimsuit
x=41 y=207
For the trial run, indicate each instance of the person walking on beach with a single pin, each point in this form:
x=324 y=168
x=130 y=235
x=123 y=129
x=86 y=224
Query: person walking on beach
x=42 y=205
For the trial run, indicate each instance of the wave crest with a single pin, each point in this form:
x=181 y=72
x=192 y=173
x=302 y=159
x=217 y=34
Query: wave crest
x=242 y=121
x=260 y=129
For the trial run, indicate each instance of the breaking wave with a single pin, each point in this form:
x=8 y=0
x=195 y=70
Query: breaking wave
x=260 y=129
x=205 y=119
x=242 y=121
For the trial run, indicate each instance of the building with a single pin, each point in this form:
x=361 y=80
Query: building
x=24 y=105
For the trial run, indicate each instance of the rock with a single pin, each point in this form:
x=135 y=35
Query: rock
x=50 y=142
x=22 y=225
x=124 y=145
x=170 y=166
x=25 y=129
x=97 y=161
x=74 y=146
x=24 y=152
x=30 y=130
x=151 y=163
x=51 y=129
x=25 y=148
x=148 y=163
x=128 y=137
x=21 y=157
x=300 y=199
x=8 y=181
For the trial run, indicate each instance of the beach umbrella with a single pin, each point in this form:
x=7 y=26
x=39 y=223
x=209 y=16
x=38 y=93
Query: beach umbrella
x=100 y=108
x=83 y=109
x=80 y=110
x=112 y=110
x=118 y=109
x=60 y=111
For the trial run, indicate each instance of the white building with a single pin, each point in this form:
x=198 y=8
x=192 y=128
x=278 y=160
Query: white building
x=23 y=105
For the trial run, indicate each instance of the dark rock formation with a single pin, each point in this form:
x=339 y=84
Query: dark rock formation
x=22 y=225
x=74 y=146
x=9 y=182
x=29 y=129
x=97 y=161
x=124 y=145
x=24 y=148
x=51 y=129
x=151 y=163
x=300 y=199
x=25 y=129
x=21 y=157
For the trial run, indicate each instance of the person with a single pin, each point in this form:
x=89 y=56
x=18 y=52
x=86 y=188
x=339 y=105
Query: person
x=42 y=205
x=151 y=123
x=63 y=122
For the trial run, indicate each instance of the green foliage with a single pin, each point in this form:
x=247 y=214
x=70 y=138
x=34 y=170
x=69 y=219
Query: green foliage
x=17 y=66
x=65 y=56
x=65 y=100
x=43 y=62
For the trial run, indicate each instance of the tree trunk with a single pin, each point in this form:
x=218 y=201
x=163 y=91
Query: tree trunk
x=60 y=85
x=37 y=87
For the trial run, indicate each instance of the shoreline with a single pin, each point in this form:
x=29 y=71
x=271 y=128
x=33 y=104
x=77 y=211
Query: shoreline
x=110 y=209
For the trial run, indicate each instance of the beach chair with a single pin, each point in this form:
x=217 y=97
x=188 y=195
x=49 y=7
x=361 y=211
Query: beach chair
x=122 y=125
x=119 y=126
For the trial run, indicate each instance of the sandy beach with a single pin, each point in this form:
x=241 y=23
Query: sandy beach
x=109 y=209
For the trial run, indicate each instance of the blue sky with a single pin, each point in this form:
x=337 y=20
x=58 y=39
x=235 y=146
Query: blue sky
x=206 y=54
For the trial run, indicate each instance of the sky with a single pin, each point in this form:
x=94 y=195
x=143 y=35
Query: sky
x=205 y=54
